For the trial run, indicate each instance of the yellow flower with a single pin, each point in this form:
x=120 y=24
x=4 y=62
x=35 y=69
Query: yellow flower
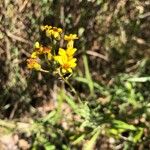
x=66 y=60
x=56 y=32
x=52 y=31
x=39 y=50
x=61 y=52
x=70 y=38
x=46 y=27
x=49 y=32
x=37 y=45
x=47 y=51
x=34 y=55
x=33 y=64
x=66 y=64
x=69 y=52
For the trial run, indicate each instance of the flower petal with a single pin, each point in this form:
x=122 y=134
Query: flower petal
x=34 y=55
x=64 y=70
x=70 y=51
x=58 y=59
x=62 y=52
x=69 y=70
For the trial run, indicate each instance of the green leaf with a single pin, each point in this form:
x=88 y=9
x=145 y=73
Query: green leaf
x=91 y=143
x=138 y=135
x=139 y=79
x=86 y=81
x=82 y=109
x=48 y=146
x=122 y=125
x=88 y=75
x=79 y=139
x=71 y=103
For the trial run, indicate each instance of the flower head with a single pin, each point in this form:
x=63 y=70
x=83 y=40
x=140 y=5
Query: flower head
x=70 y=38
x=33 y=64
x=52 y=31
x=39 y=50
x=34 y=55
x=49 y=33
x=70 y=51
x=45 y=27
x=47 y=51
x=66 y=61
x=56 y=32
x=37 y=45
x=66 y=64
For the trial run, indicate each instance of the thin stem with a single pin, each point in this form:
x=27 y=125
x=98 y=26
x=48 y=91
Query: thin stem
x=46 y=58
x=71 y=87
x=42 y=70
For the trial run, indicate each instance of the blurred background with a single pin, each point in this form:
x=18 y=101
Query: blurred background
x=113 y=46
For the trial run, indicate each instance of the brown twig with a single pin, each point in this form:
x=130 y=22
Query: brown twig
x=17 y=38
x=97 y=55
x=23 y=5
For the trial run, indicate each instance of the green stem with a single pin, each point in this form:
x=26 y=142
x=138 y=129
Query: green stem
x=71 y=87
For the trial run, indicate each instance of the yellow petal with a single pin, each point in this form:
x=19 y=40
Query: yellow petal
x=70 y=37
x=56 y=34
x=62 y=52
x=72 y=63
x=64 y=70
x=48 y=27
x=37 y=66
x=49 y=32
x=37 y=45
x=42 y=28
x=69 y=70
x=64 y=59
x=58 y=59
x=66 y=37
x=73 y=60
x=34 y=55
x=70 y=51
x=59 y=30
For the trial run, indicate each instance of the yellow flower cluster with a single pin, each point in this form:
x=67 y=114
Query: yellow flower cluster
x=52 y=31
x=64 y=61
x=65 y=57
x=39 y=50
x=32 y=62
